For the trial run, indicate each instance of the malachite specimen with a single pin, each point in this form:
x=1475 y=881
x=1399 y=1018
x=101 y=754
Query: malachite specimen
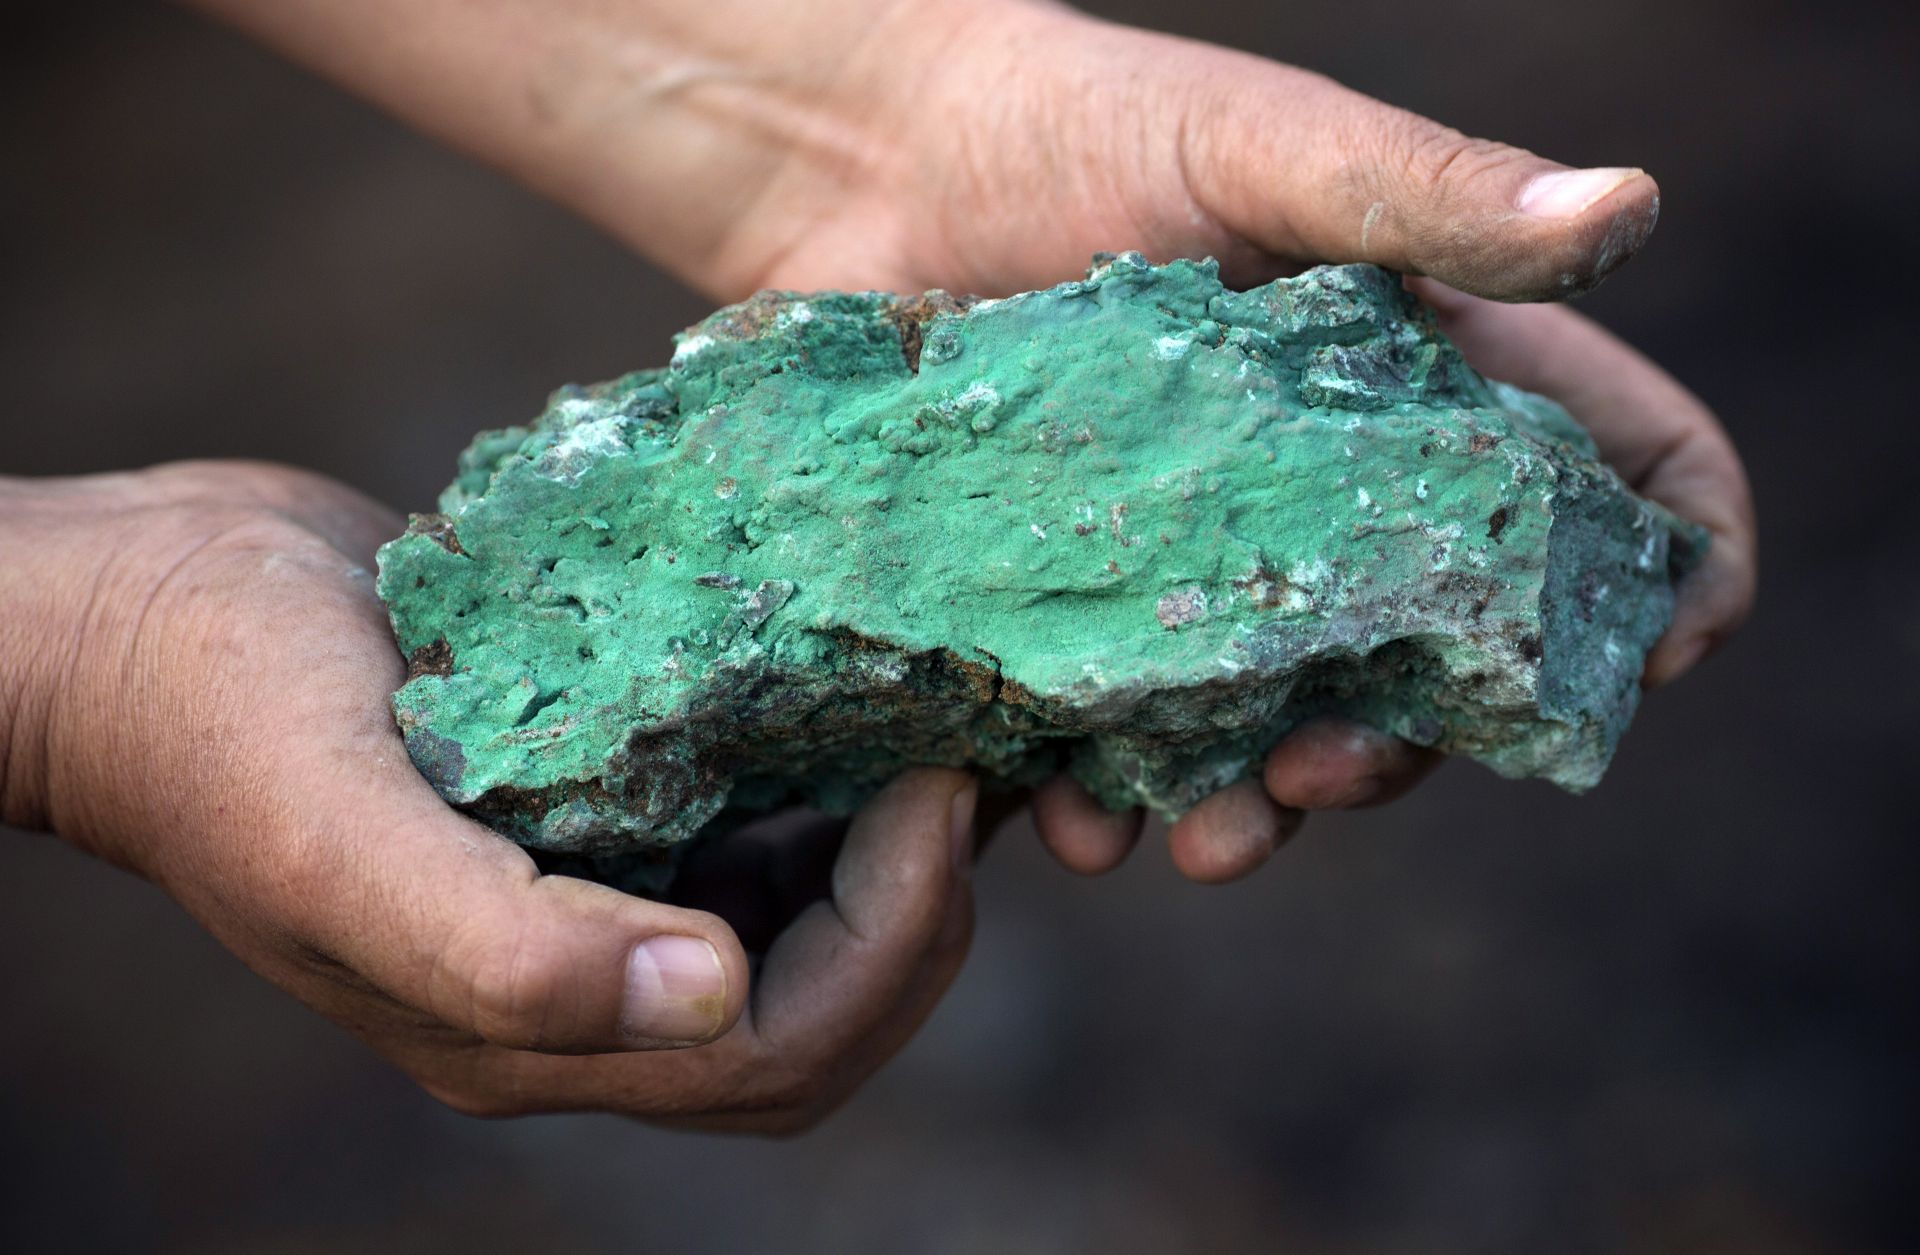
x=1136 y=527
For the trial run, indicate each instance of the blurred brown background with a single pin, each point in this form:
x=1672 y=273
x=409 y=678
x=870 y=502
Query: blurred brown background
x=1674 y=1016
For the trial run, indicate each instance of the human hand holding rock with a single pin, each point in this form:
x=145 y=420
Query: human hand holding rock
x=194 y=676
x=1038 y=136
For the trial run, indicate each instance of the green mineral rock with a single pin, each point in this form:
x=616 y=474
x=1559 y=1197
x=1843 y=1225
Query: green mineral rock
x=1136 y=527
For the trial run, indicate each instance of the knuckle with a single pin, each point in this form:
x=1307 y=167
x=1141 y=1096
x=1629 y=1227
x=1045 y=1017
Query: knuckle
x=1434 y=158
x=507 y=1006
x=507 y=991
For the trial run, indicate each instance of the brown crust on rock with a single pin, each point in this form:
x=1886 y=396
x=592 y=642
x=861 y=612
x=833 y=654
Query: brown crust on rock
x=433 y=658
x=437 y=528
x=911 y=314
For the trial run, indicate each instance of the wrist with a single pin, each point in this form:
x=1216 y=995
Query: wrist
x=711 y=145
x=673 y=127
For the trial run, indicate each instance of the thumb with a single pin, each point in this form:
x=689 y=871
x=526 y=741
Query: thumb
x=440 y=914
x=1306 y=169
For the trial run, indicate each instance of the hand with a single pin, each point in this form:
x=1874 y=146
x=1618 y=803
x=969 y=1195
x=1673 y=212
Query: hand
x=194 y=677
x=1037 y=136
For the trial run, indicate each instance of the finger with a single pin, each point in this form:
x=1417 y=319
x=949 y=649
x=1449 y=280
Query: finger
x=439 y=914
x=1662 y=439
x=848 y=964
x=1309 y=170
x=1330 y=764
x=1085 y=836
x=1230 y=833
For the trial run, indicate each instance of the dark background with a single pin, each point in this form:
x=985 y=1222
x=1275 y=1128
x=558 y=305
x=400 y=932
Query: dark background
x=1673 y=1016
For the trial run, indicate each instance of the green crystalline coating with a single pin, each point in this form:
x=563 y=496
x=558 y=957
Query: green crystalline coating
x=1137 y=525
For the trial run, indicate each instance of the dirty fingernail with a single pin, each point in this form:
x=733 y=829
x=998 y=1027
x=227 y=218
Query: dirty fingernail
x=1569 y=193
x=676 y=990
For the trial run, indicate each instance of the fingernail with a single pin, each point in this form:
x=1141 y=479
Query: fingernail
x=1568 y=193
x=961 y=832
x=676 y=990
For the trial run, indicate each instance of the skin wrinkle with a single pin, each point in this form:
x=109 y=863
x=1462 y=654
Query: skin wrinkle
x=855 y=143
x=160 y=586
x=760 y=107
x=51 y=726
x=1199 y=217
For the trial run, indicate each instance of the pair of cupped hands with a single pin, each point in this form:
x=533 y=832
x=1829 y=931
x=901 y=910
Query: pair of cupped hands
x=196 y=669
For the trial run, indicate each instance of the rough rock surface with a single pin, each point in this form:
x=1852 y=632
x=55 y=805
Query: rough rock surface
x=1137 y=526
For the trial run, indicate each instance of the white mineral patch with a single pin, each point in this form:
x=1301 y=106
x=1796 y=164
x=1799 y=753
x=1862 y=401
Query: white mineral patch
x=567 y=457
x=1441 y=556
x=1519 y=462
x=995 y=302
x=602 y=435
x=1171 y=348
x=689 y=346
x=574 y=409
x=1309 y=574
x=978 y=393
x=1645 y=560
